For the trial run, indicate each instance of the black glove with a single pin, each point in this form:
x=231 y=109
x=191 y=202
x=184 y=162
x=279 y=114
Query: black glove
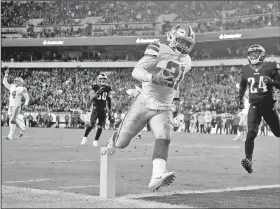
x=267 y=80
x=24 y=107
x=240 y=103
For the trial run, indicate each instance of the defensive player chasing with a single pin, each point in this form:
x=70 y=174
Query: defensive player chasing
x=100 y=97
x=261 y=77
x=161 y=71
x=17 y=92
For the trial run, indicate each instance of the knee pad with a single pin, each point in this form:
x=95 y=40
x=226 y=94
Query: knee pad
x=99 y=126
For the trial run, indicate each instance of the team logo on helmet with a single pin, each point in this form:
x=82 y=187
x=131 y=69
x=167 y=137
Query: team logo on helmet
x=256 y=54
x=181 y=38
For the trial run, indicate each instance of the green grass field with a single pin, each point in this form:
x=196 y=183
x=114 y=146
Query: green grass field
x=49 y=168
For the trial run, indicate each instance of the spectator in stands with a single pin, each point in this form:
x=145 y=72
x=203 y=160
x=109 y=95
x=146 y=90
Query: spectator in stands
x=66 y=118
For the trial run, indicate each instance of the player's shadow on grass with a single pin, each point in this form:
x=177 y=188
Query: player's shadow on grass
x=265 y=198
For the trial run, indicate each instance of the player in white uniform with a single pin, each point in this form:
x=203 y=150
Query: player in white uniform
x=243 y=116
x=17 y=92
x=161 y=71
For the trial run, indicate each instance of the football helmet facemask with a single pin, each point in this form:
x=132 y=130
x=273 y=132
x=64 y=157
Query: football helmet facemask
x=18 y=81
x=181 y=39
x=256 y=54
x=102 y=79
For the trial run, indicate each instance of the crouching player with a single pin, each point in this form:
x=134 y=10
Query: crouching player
x=161 y=71
x=17 y=92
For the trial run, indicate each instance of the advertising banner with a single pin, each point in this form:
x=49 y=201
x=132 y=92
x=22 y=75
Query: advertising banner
x=137 y=40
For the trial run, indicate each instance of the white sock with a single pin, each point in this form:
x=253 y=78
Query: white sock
x=239 y=134
x=159 y=167
x=12 y=130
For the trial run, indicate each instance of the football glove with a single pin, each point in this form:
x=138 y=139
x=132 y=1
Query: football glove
x=24 y=107
x=160 y=79
x=240 y=103
x=267 y=80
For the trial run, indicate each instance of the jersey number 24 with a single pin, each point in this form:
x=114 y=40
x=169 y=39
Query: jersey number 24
x=254 y=88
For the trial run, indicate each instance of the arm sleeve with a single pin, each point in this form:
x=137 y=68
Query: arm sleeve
x=5 y=82
x=242 y=87
x=109 y=103
x=140 y=71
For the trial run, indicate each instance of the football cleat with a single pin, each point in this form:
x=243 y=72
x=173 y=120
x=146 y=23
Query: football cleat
x=21 y=133
x=8 y=138
x=95 y=143
x=236 y=138
x=164 y=180
x=247 y=165
x=111 y=143
x=84 y=141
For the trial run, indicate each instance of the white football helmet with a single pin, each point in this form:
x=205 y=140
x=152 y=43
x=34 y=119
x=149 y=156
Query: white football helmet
x=256 y=54
x=102 y=79
x=181 y=39
x=18 y=81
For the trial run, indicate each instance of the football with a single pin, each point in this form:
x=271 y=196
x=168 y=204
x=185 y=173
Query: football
x=165 y=72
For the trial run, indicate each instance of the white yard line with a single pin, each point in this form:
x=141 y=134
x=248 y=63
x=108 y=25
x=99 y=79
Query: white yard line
x=120 y=159
x=80 y=187
x=23 y=181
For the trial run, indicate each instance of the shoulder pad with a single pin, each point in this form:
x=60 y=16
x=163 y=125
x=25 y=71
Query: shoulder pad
x=187 y=62
x=243 y=66
x=153 y=49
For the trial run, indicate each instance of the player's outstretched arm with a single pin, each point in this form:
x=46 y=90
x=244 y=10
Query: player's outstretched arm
x=242 y=89
x=5 y=80
x=109 y=103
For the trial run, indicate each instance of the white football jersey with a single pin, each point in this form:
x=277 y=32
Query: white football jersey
x=16 y=93
x=160 y=97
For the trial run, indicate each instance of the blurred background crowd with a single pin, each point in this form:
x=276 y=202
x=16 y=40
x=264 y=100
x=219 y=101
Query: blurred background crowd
x=69 y=18
x=66 y=89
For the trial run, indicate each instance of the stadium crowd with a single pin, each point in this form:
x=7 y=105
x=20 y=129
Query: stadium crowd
x=60 y=90
x=16 y=13
x=207 y=16
x=64 y=89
